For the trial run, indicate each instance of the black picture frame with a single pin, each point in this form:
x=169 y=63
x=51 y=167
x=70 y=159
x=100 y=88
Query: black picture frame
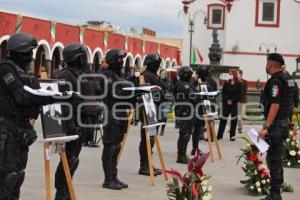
x=51 y=114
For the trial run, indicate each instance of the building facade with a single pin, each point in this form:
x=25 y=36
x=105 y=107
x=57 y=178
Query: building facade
x=54 y=36
x=248 y=30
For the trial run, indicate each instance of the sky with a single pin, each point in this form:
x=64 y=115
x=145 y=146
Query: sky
x=158 y=15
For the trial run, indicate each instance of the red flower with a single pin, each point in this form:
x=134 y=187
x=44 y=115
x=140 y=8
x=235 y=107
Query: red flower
x=253 y=157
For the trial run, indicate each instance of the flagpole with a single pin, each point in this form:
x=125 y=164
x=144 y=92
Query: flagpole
x=191 y=23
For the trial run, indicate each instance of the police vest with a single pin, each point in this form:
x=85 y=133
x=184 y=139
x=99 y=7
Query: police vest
x=286 y=100
x=8 y=105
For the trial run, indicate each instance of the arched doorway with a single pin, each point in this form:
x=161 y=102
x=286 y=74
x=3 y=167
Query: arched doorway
x=127 y=66
x=168 y=64
x=40 y=59
x=96 y=62
x=56 y=61
x=3 y=51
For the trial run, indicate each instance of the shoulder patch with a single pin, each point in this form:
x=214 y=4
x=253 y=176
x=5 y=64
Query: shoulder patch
x=275 y=91
x=8 y=78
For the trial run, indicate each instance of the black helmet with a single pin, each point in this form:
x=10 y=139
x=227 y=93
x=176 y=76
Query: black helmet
x=203 y=71
x=73 y=51
x=185 y=72
x=21 y=43
x=115 y=56
x=152 y=59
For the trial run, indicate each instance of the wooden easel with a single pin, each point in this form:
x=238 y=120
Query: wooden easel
x=211 y=131
x=63 y=157
x=148 y=144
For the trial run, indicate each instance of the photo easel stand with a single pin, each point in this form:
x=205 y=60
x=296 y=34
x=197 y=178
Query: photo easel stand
x=47 y=144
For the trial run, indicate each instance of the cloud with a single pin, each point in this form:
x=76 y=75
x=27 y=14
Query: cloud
x=160 y=15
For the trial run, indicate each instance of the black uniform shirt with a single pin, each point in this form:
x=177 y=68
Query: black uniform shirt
x=274 y=90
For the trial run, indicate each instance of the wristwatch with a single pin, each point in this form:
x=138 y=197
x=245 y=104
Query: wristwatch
x=266 y=126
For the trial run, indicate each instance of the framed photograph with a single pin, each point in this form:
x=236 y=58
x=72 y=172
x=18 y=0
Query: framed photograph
x=150 y=113
x=206 y=103
x=150 y=110
x=51 y=114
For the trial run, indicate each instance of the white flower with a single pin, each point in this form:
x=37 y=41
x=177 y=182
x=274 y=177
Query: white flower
x=259 y=190
x=248 y=145
x=255 y=172
x=293 y=143
x=257 y=184
x=292 y=153
x=298 y=161
x=204 y=188
x=268 y=180
x=263 y=182
x=209 y=189
x=204 y=182
x=291 y=133
x=207 y=196
x=289 y=164
x=252 y=187
x=298 y=152
x=287 y=140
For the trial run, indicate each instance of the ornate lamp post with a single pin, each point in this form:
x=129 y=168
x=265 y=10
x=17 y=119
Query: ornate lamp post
x=192 y=19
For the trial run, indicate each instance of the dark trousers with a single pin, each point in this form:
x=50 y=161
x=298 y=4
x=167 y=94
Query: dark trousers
x=228 y=110
x=113 y=135
x=73 y=150
x=198 y=132
x=13 y=161
x=275 y=137
x=186 y=128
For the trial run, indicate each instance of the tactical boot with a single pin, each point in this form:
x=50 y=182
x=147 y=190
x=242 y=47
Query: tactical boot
x=182 y=158
x=157 y=171
x=115 y=178
x=146 y=172
x=196 y=151
x=122 y=184
x=111 y=184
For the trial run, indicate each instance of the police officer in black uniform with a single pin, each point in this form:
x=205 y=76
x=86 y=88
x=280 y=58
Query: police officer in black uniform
x=17 y=107
x=75 y=55
x=185 y=110
x=203 y=77
x=116 y=125
x=278 y=105
x=152 y=61
x=90 y=87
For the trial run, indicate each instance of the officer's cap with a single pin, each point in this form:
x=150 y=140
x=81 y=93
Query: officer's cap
x=276 y=57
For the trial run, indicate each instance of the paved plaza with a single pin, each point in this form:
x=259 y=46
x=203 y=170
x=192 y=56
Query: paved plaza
x=89 y=177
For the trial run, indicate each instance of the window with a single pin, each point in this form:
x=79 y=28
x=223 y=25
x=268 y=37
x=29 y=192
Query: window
x=216 y=16
x=267 y=13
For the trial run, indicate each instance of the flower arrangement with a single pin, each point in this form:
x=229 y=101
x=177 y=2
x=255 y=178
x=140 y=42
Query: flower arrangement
x=258 y=176
x=193 y=185
x=291 y=152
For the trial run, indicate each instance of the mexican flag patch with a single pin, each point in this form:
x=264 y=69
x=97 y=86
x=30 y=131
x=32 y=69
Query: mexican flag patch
x=275 y=91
